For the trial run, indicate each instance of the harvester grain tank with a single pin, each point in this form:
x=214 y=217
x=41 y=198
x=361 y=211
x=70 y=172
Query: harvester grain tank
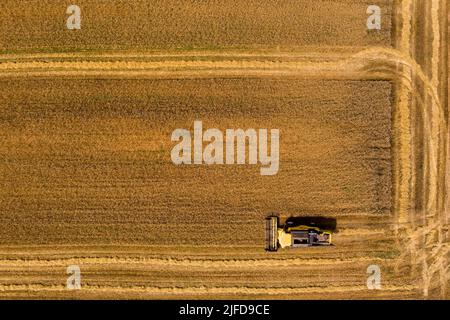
x=299 y=232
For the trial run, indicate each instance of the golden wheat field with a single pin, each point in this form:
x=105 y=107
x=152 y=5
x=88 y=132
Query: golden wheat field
x=87 y=179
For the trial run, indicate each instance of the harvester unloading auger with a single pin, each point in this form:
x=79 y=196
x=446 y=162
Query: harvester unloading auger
x=298 y=232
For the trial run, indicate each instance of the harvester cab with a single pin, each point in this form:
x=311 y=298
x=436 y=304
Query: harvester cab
x=298 y=232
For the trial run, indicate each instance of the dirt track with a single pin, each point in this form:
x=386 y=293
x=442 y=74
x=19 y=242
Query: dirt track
x=85 y=169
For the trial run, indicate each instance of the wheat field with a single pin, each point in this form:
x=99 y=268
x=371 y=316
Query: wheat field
x=86 y=176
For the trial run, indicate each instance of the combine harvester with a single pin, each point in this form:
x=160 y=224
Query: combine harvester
x=299 y=232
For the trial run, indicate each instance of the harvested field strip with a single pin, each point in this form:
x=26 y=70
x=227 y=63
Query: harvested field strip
x=235 y=263
x=380 y=248
x=205 y=290
x=377 y=61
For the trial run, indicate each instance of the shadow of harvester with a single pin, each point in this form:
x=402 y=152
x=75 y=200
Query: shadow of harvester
x=323 y=223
